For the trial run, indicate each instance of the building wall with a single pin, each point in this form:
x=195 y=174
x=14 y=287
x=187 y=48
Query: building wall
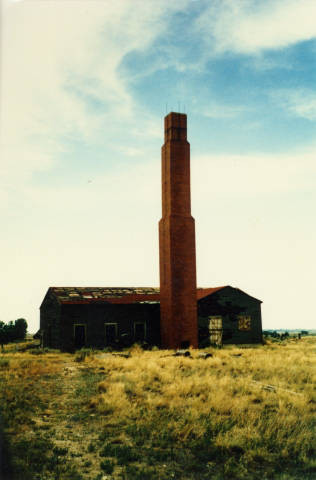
x=230 y=304
x=50 y=321
x=58 y=321
x=94 y=317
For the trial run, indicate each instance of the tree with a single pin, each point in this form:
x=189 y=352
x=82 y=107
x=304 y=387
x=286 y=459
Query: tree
x=20 y=328
x=12 y=331
x=3 y=334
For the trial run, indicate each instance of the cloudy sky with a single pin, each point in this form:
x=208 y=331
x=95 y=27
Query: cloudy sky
x=84 y=89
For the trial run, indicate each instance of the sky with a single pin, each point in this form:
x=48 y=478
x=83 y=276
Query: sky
x=85 y=85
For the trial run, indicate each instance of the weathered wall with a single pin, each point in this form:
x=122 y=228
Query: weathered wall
x=58 y=321
x=229 y=303
x=50 y=321
x=95 y=316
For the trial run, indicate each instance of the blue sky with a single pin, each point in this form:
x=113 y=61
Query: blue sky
x=84 y=89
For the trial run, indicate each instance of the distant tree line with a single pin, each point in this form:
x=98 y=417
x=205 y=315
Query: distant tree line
x=9 y=332
x=283 y=335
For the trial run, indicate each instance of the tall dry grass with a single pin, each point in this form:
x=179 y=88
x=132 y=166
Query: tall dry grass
x=244 y=413
x=255 y=406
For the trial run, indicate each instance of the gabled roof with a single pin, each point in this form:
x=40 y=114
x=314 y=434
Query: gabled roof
x=205 y=292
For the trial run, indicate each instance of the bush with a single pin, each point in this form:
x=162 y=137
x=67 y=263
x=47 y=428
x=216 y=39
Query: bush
x=4 y=363
x=124 y=454
x=107 y=466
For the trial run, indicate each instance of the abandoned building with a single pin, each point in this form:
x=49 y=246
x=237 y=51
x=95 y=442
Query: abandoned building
x=72 y=318
x=177 y=315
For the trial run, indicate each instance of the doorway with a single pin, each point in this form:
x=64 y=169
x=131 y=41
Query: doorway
x=80 y=336
x=139 y=331
x=110 y=333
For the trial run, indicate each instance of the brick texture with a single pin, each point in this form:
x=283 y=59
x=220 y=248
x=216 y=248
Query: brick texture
x=178 y=304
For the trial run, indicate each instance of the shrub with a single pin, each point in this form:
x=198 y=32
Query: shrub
x=91 y=447
x=123 y=453
x=107 y=466
x=4 y=363
x=139 y=473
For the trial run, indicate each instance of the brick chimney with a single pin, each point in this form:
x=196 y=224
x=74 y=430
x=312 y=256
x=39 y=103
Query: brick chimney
x=178 y=303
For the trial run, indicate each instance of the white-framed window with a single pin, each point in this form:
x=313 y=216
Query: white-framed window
x=244 y=323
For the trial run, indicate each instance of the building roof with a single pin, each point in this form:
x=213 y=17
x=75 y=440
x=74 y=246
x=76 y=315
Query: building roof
x=82 y=295
x=205 y=292
x=105 y=294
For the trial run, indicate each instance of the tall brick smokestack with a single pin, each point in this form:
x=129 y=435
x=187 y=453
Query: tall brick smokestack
x=178 y=303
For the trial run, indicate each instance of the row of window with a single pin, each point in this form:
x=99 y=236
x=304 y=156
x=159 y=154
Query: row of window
x=111 y=333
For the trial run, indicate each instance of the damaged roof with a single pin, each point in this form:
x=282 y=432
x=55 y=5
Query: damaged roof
x=71 y=295
x=105 y=294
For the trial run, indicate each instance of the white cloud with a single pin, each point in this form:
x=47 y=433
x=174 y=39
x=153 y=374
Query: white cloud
x=249 y=26
x=254 y=174
x=57 y=55
x=299 y=102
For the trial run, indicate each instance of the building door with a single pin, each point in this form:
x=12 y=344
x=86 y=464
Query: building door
x=80 y=336
x=139 y=331
x=110 y=333
x=216 y=330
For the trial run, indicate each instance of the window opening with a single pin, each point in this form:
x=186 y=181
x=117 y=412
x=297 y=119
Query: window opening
x=216 y=329
x=244 y=323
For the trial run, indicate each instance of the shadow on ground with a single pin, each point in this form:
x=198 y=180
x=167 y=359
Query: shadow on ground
x=6 y=472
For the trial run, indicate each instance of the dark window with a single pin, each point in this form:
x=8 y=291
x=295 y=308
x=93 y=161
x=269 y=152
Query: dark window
x=80 y=336
x=110 y=333
x=139 y=331
x=185 y=344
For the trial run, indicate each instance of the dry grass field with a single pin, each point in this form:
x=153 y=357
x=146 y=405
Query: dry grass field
x=243 y=413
